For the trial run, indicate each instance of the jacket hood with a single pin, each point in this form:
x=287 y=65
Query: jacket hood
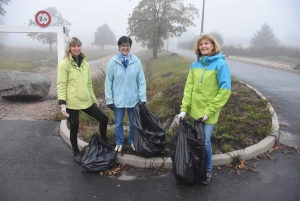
x=208 y=59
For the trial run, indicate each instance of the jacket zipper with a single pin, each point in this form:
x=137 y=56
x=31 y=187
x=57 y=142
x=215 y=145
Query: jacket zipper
x=203 y=63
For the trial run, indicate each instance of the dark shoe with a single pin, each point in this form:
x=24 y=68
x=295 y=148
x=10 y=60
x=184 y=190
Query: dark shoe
x=68 y=124
x=208 y=178
x=77 y=157
x=110 y=144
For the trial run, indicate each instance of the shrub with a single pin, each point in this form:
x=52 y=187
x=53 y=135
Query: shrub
x=226 y=148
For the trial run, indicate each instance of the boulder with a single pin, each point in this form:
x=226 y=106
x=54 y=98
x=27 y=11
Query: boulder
x=16 y=85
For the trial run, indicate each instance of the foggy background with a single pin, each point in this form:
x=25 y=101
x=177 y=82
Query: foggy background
x=235 y=20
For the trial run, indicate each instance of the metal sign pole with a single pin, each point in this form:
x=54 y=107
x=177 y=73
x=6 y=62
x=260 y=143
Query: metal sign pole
x=202 y=17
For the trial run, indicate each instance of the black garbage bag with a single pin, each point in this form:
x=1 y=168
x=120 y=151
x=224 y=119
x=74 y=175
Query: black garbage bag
x=198 y=150
x=99 y=156
x=149 y=136
x=188 y=153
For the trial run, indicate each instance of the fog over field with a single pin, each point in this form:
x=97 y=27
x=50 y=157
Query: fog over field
x=235 y=20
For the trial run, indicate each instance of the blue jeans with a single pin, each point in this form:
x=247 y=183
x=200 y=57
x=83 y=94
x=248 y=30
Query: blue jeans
x=119 y=129
x=208 y=130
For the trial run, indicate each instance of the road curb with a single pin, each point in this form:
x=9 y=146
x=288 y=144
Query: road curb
x=218 y=159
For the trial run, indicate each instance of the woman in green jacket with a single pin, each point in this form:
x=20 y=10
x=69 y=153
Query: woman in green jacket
x=75 y=92
x=206 y=91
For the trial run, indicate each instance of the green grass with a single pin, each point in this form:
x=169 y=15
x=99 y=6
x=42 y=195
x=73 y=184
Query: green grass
x=26 y=59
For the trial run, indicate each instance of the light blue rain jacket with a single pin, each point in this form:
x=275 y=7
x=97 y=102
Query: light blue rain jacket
x=125 y=87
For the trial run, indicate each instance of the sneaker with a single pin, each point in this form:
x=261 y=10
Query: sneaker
x=132 y=147
x=118 y=148
x=77 y=157
x=208 y=178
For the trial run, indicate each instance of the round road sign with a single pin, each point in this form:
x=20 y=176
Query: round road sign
x=43 y=18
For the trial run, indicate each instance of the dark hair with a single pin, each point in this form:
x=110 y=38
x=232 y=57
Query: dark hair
x=124 y=39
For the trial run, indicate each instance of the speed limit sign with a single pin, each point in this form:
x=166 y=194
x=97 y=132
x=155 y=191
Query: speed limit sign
x=43 y=18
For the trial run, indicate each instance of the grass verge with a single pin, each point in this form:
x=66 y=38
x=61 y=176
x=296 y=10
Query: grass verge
x=26 y=59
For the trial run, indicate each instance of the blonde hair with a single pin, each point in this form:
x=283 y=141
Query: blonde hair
x=209 y=38
x=71 y=42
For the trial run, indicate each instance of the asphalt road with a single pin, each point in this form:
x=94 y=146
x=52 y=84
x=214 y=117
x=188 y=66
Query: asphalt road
x=36 y=164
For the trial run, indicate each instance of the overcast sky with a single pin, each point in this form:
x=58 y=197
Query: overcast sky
x=236 y=20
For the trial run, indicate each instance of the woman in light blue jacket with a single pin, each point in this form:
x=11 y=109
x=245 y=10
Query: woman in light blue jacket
x=125 y=86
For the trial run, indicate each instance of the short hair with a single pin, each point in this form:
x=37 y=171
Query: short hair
x=71 y=42
x=124 y=39
x=209 y=38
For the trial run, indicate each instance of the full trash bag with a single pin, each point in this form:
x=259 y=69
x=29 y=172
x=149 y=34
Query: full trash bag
x=188 y=153
x=99 y=156
x=149 y=136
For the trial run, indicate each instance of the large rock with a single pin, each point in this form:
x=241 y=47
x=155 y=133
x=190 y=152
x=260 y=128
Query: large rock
x=23 y=86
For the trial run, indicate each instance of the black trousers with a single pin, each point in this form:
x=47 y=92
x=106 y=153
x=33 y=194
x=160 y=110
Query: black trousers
x=73 y=119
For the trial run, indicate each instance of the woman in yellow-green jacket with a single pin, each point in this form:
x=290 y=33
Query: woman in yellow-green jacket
x=75 y=92
x=206 y=91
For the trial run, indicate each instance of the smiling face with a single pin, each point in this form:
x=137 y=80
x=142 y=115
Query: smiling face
x=75 y=50
x=206 y=47
x=124 y=48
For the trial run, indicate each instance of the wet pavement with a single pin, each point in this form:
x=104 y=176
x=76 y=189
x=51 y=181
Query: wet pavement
x=36 y=164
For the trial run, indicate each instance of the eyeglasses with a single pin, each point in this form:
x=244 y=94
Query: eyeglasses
x=127 y=46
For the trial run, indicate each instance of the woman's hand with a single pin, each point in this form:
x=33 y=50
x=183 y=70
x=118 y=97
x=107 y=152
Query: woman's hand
x=111 y=106
x=205 y=117
x=63 y=110
x=180 y=117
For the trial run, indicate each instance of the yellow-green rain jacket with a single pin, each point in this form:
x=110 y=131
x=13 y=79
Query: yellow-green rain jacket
x=207 y=88
x=74 y=84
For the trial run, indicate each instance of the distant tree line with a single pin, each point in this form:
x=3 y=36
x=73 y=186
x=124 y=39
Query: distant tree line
x=265 y=51
x=263 y=43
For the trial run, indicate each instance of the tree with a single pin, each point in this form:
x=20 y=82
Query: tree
x=56 y=20
x=264 y=37
x=153 y=21
x=2 y=11
x=218 y=37
x=104 y=36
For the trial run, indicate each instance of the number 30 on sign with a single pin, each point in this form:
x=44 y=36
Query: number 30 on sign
x=43 y=18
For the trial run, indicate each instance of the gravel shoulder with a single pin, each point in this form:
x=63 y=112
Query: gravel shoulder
x=289 y=66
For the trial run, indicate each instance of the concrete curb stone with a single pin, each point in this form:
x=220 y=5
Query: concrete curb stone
x=218 y=159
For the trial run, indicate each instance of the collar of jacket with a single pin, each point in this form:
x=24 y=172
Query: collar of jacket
x=205 y=60
x=74 y=63
x=131 y=60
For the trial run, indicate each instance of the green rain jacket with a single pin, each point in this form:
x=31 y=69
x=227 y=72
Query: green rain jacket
x=207 y=88
x=74 y=84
